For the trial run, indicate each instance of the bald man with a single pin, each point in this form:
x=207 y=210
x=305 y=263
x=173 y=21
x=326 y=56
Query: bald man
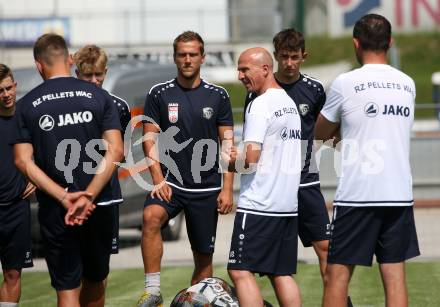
x=264 y=239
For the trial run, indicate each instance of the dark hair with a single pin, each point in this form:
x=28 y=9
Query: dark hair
x=189 y=36
x=5 y=72
x=289 y=39
x=373 y=32
x=50 y=46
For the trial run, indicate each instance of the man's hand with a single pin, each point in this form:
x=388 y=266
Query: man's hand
x=30 y=188
x=162 y=191
x=80 y=210
x=336 y=140
x=233 y=155
x=228 y=157
x=69 y=198
x=224 y=201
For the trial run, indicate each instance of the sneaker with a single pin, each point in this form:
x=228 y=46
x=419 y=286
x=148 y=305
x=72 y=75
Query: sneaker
x=150 y=300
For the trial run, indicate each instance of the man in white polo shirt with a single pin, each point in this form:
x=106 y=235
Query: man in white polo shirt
x=373 y=107
x=265 y=233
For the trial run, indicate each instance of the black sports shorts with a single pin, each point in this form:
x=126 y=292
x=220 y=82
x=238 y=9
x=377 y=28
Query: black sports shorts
x=201 y=215
x=74 y=252
x=264 y=244
x=358 y=233
x=15 y=235
x=313 y=220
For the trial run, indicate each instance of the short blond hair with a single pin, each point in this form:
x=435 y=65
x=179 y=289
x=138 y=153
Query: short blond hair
x=88 y=57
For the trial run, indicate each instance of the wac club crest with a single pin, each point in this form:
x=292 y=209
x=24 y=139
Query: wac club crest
x=173 y=112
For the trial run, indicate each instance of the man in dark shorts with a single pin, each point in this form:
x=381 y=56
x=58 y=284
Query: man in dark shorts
x=15 y=223
x=309 y=96
x=187 y=176
x=91 y=65
x=373 y=106
x=68 y=142
x=264 y=239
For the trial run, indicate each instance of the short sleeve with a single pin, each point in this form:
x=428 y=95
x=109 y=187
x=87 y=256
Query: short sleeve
x=152 y=108
x=320 y=100
x=22 y=133
x=257 y=122
x=333 y=105
x=249 y=97
x=110 y=119
x=124 y=118
x=123 y=110
x=414 y=88
x=225 y=111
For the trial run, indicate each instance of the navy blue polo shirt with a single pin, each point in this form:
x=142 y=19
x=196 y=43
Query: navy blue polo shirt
x=123 y=110
x=70 y=111
x=309 y=96
x=124 y=118
x=196 y=114
x=12 y=182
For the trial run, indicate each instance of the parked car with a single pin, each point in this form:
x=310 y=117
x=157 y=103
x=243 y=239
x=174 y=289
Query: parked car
x=130 y=80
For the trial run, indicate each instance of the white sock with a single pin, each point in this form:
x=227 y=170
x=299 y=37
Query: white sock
x=7 y=304
x=152 y=283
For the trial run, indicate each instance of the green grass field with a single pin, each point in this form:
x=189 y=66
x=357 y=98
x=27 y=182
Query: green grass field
x=419 y=58
x=125 y=286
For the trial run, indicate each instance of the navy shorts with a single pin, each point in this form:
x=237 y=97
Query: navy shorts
x=358 y=233
x=264 y=244
x=313 y=220
x=15 y=235
x=115 y=236
x=74 y=252
x=201 y=216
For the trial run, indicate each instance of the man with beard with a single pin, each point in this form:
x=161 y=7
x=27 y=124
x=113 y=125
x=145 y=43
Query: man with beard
x=201 y=113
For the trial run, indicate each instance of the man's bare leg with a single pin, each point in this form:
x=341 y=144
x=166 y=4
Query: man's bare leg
x=321 y=250
x=202 y=267
x=10 y=290
x=286 y=290
x=394 y=283
x=68 y=298
x=92 y=294
x=248 y=293
x=152 y=246
x=336 y=285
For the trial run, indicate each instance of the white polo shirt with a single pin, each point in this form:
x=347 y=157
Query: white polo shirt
x=375 y=107
x=272 y=120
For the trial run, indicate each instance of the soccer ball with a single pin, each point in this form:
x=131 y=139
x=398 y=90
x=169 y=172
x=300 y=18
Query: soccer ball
x=179 y=298
x=189 y=299
x=217 y=291
x=225 y=285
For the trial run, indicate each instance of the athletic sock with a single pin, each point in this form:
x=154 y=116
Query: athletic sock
x=7 y=304
x=152 y=283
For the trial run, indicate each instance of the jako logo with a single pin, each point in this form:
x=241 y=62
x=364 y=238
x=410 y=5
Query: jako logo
x=294 y=134
x=75 y=118
x=46 y=122
x=284 y=134
x=371 y=109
